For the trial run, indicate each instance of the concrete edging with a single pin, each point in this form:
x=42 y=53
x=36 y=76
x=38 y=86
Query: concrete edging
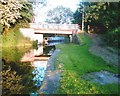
x=52 y=77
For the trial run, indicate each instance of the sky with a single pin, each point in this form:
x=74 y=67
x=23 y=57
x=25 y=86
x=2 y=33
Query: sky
x=72 y=4
x=41 y=12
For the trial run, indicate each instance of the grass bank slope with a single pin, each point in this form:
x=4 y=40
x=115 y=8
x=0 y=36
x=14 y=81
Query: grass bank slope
x=75 y=61
x=14 y=38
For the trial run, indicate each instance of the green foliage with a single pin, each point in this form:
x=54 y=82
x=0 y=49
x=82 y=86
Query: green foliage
x=112 y=37
x=1 y=28
x=26 y=11
x=35 y=44
x=9 y=11
x=13 y=11
x=17 y=76
x=73 y=84
x=79 y=59
x=76 y=61
x=77 y=17
x=111 y=88
x=11 y=81
x=13 y=53
x=101 y=14
x=15 y=38
x=60 y=15
x=101 y=17
x=105 y=14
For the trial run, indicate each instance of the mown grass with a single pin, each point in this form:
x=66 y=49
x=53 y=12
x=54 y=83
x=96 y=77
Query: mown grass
x=75 y=61
x=14 y=38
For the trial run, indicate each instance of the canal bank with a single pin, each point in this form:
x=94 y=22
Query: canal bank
x=51 y=81
x=76 y=61
x=52 y=77
x=14 y=38
x=67 y=64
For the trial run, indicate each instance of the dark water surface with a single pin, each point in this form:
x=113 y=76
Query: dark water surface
x=17 y=76
x=23 y=69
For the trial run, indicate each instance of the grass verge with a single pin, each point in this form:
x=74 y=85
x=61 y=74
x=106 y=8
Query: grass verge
x=14 y=38
x=75 y=61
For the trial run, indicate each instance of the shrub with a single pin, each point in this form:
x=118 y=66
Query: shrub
x=112 y=37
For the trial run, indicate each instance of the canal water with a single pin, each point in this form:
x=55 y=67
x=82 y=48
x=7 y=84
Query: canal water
x=23 y=69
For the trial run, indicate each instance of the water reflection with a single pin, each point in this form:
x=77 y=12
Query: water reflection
x=24 y=69
x=55 y=43
x=39 y=53
x=39 y=50
x=17 y=77
x=39 y=57
x=38 y=61
x=56 y=40
x=39 y=71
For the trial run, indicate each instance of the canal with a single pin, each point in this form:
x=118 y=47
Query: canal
x=23 y=69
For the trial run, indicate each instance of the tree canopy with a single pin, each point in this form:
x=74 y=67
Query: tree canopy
x=102 y=17
x=60 y=15
x=99 y=14
x=11 y=11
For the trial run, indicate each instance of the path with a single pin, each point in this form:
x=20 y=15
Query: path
x=102 y=51
x=52 y=78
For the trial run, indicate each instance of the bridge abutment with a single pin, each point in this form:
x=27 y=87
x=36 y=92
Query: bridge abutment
x=39 y=38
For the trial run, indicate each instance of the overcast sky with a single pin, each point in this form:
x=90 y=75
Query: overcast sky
x=72 y=4
x=42 y=12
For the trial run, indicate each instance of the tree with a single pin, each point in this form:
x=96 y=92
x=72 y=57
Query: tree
x=17 y=78
x=59 y=15
x=102 y=15
x=77 y=17
x=14 y=10
x=26 y=11
x=11 y=81
x=9 y=10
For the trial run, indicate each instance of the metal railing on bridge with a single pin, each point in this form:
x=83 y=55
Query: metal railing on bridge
x=58 y=27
